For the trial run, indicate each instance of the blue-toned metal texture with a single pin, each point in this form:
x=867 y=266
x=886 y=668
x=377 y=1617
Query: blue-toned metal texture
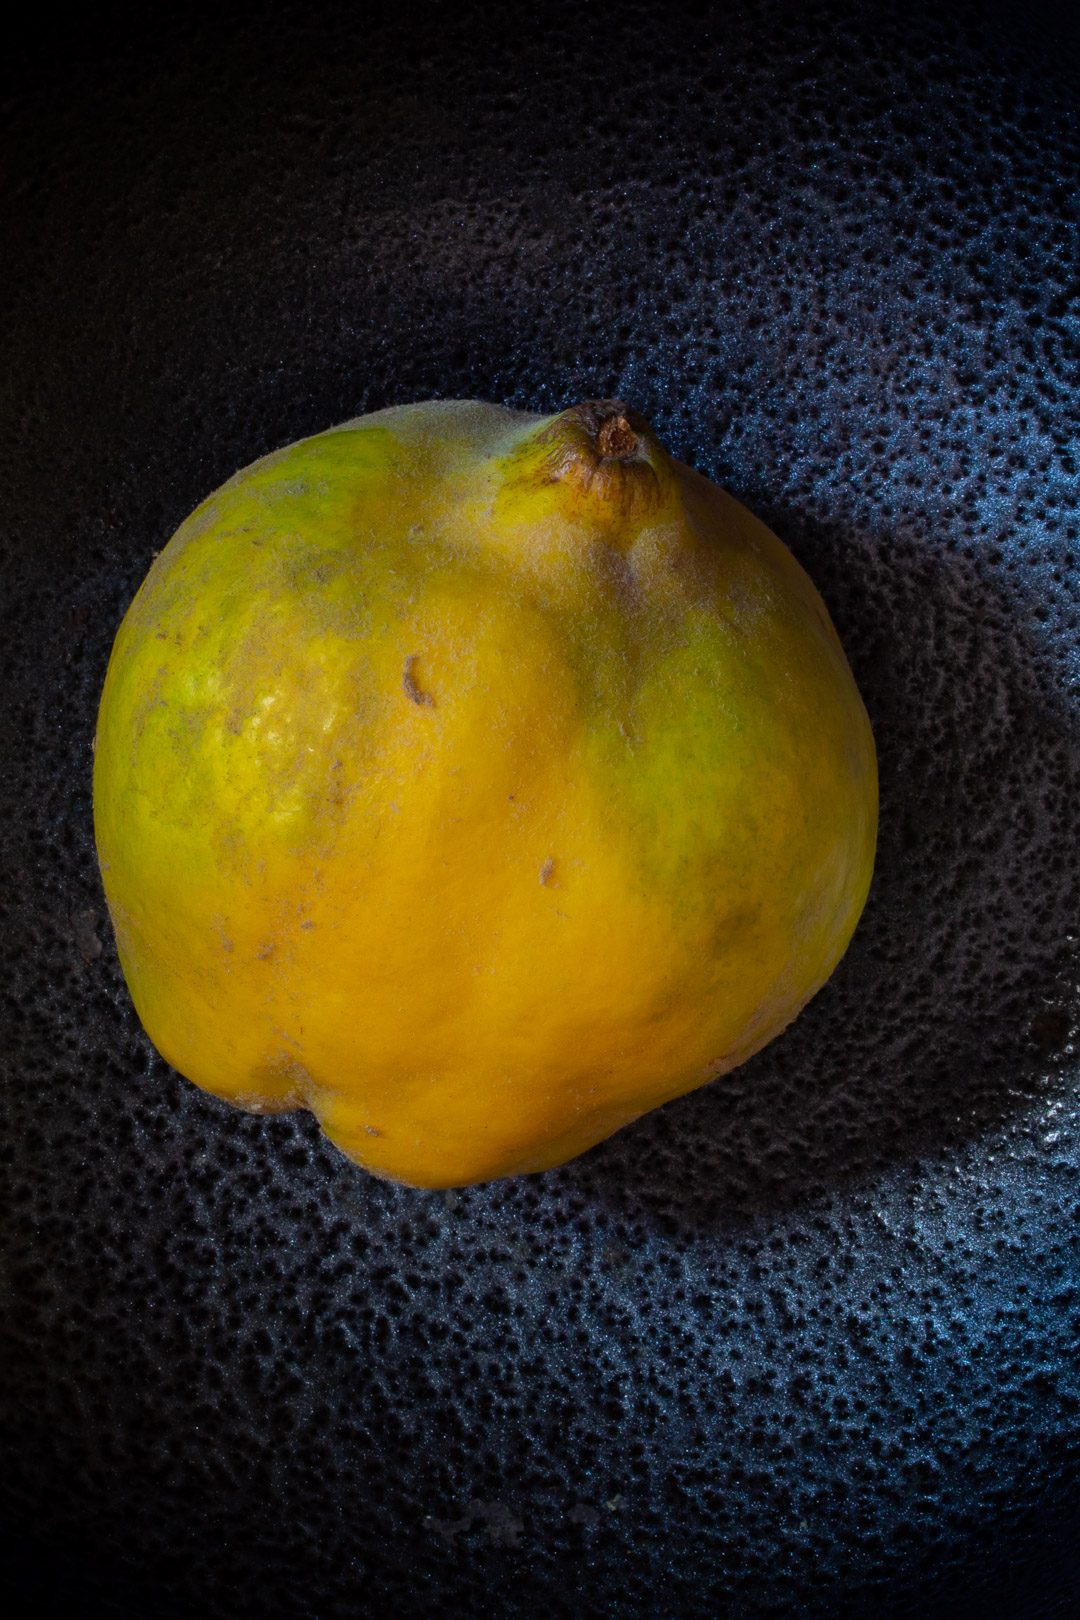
x=805 y=1343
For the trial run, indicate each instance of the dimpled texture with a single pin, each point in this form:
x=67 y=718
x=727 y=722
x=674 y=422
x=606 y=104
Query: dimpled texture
x=804 y=1342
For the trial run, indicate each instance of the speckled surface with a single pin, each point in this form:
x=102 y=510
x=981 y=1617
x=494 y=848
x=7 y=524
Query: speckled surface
x=805 y=1343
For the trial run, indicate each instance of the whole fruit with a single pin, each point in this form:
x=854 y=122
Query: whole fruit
x=479 y=781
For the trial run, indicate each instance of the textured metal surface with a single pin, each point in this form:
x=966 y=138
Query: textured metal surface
x=806 y=1342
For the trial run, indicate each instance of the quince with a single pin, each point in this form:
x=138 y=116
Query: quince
x=478 y=781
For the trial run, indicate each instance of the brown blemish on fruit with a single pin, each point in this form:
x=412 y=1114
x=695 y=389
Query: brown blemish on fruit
x=604 y=449
x=616 y=439
x=281 y=1087
x=413 y=692
x=547 y=873
x=608 y=427
x=253 y=1102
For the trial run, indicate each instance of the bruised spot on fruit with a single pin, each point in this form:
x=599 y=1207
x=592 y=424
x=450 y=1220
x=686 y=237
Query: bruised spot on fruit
x=279 y=1087
x=265 y=952
x=373 y=1130
x=547 y=873
x=413 y=692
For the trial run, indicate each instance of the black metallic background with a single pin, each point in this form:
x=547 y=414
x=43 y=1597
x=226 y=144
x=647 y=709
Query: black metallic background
x=805 y=1343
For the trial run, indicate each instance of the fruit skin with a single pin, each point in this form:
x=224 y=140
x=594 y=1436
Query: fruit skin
x=479 y=781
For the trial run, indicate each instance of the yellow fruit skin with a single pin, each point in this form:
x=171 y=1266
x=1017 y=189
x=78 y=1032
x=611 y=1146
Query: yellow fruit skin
x=476 y=792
